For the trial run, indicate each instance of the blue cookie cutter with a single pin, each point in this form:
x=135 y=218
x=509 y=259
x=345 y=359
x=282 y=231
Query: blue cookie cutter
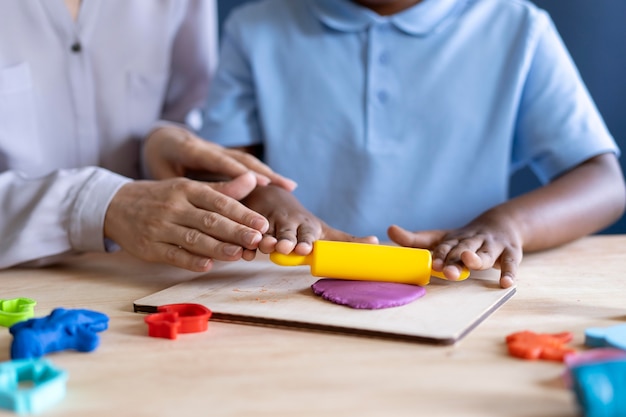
x=600 y=388
x=16 y=310
x=30 y=385
x=613 y=336
x=63 y=329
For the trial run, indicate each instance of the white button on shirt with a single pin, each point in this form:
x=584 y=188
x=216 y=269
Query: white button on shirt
x=77 y=98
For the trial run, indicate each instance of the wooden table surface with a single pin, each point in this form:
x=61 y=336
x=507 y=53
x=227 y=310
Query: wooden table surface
x=242 y=370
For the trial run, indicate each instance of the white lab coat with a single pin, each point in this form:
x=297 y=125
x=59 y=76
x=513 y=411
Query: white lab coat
x=77 y=98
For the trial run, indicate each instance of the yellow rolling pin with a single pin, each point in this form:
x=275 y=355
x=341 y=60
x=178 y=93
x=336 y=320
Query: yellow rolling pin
x=366 y=262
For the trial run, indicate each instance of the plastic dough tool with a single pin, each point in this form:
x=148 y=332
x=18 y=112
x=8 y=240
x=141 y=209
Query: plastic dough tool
x=366 y=262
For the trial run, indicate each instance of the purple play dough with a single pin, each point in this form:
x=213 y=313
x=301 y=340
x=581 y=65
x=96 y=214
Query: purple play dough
x=367 y=294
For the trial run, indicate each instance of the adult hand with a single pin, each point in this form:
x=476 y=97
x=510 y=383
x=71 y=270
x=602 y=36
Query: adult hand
x=173 y=151
x=185 y=223
x=292 y=228
x=490 y=241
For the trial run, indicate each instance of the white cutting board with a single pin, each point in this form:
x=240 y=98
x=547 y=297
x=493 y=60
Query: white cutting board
x=262 y=293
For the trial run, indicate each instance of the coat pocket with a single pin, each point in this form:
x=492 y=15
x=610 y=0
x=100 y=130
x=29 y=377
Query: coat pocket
x=19 y=139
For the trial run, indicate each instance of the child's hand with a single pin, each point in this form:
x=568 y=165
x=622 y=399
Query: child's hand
x=489 y=241
x=292 y=227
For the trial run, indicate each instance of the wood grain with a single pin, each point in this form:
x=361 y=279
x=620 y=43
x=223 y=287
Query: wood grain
x=262 y=293
x=235 y=370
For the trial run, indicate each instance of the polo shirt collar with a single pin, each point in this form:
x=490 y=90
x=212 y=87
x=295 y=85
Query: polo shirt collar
x=418 y=20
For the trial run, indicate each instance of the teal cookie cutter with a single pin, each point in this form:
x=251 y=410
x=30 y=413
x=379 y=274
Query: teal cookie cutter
x=16 y=310
x=600 y=388
x=29 y=386
x=612 y=336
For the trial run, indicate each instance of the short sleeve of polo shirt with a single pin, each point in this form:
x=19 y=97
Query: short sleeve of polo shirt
x=558 y=125
x=231 y=118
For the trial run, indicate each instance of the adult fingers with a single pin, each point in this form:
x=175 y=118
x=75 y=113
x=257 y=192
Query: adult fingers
x=254 y=164
x=176 y=256
x=214 y=158
x=155 y=220
x=237 y=188
x=215 y=236
x=205 y=197
x=265 y=174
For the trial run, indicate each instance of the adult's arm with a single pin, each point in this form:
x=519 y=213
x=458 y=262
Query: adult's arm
x=52 y=215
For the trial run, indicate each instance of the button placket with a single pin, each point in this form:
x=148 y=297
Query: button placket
x=380 y=86
x=75 y=36
x=81 y=80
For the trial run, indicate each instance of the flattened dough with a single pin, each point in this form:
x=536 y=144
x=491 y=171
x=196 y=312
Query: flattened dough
x=369 y=295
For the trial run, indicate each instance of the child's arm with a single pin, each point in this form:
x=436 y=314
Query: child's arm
x=584 y=200
x=292 y=227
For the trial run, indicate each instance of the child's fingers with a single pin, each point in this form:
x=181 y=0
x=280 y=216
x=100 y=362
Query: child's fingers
x=465 y=245
x=424 y=240
x=334 y=234
x=267 y=244
x=475 y=261
x=509 y=261
x=285 y=246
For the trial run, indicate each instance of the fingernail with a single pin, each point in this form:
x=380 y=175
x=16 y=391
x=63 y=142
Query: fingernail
x=203 y=263
x=259 y=224
x=252 y=238
x=453 y=271
x=293 y=185
x=262 y=179
x=437 y=264
x=232 y=250
x=506 y=282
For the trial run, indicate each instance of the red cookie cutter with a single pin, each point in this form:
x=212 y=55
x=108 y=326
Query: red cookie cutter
x=172 y=319
x=529 y=345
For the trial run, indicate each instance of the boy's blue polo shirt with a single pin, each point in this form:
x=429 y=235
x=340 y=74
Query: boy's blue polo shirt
x=416 y=119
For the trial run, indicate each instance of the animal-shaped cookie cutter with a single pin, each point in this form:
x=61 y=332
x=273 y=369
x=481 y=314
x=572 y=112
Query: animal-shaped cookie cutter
x=62 y=329
x=530 y=345
x=172 y=319
x=16 y=310
x=30 y=385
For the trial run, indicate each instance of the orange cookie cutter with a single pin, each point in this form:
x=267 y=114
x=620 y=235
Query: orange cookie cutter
x=531 y=346
x=172 y=319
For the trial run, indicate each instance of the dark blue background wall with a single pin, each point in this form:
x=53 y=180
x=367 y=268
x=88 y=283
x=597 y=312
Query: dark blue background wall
x=225 y=6
x=595 y=33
